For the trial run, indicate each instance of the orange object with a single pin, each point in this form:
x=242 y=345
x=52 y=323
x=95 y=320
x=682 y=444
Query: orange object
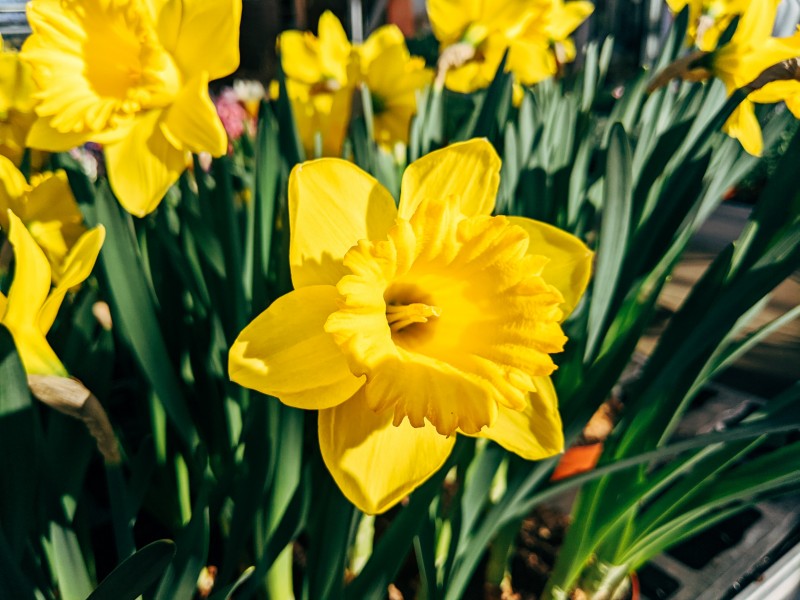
x=401 y=13
x=576 y=460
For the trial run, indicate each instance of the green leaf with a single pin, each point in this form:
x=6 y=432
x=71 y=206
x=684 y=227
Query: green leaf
x=20 y=443
x=69 y=565
x=228 y=591
x=135 y=312
x=331 y=533
x=614 y=233
x=261 y=211
x=180 y=579
x=12 y=581
x=493 y=111
x=133 y=576
x=291 y=146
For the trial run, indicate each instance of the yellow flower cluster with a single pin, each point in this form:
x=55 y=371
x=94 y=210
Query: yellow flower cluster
x=323 y=71
x=751 y=50
x=535 y=33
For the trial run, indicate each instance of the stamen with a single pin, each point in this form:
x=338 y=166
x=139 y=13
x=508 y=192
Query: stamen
x=400 y=316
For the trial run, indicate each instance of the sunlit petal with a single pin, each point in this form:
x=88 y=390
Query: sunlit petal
x=209 y=37
x=570 y=262
x=78 y=265
x=285 y=352
x=744 y=126
x=323 y=227
x=140 y=184
x=375 y=463
x=192 y=124
x=27 y=294
x=468 y=171
x=533 y=433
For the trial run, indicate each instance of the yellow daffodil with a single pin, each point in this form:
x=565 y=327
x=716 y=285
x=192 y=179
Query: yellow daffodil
x=16 y=103
x=394 y=78
x=544 y=45
x=477 y=33
x=47 y=208
x=752 y=50
x=708 y=19
x=411 y=324
x=740 y=61
x=320 y=76
x=31 y=306
x=132 y=75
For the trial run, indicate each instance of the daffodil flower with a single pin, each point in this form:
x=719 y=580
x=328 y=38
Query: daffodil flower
x=708 y=19
x=740 y=61
x=47 y=208
x=752 y=50
x=31 y=306
x=393 y=78
x=410 y=325
x=485 y=28
x=544 y=45
x=320 y=77
x=133 y=76
x=536 y=33
x=16 y=103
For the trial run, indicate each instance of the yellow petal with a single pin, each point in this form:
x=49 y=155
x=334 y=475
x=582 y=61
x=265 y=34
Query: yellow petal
x=192 y=124
x=756 y=22
x=12 y=187
x=570 y=265
x=43 y=136
x=26 y=296
x=776 y=91
x=569 y=18
x=509 y=16
x=532 y=60
x=334 y=48
x=383 y=38
x=374 y=463
x=3 y=305
x=209 y=37
x=78 y=265
x=299 y=56
x=31 y=276
x=332 y=205
x=143 y=166
x=52 y=216
x=469 y=171
x=533 y=433
x=285 y=352
x=450 y=18
x=743 y=126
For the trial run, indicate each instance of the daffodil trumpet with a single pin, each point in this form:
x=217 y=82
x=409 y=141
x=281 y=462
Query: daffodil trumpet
x=412 y=324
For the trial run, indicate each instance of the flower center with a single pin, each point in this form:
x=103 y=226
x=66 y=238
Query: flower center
x=117 y=64
x=400 y=316
x=448 y=318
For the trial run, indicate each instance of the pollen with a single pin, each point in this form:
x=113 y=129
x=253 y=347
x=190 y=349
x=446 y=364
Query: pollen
x=401 y=316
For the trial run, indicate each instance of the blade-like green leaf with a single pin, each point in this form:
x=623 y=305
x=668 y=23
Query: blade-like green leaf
x=133 y=309
x=614 y=235
x=19 y=443
x=134 y=575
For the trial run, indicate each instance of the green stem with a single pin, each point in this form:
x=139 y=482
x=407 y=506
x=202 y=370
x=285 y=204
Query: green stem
x=279 y=577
